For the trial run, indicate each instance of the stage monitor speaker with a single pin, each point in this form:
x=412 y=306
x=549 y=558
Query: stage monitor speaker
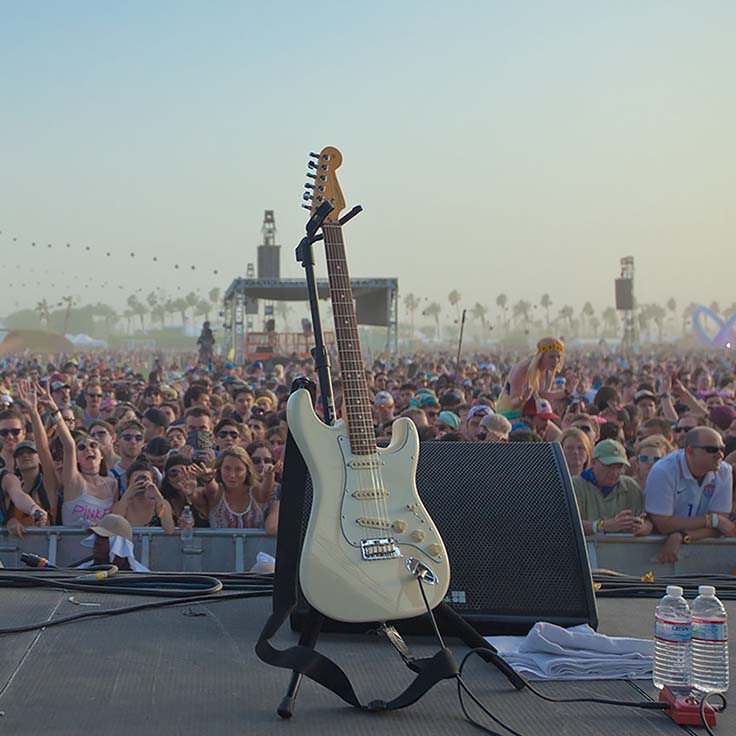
x=625 y=294
x=509 y=520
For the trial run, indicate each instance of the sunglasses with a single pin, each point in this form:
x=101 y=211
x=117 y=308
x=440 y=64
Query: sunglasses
x=132 y=437
x=91 y=444
x=711 y=449
x=94 y=396
x=584 y=428
x=262 y=460
x=649 y=458
x=99 y=433
x=15 y=431
x=223 y=435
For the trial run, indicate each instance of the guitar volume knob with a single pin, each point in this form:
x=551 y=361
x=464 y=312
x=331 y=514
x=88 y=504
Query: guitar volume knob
x=399 y=526
x=434 y=550
x=418 y=535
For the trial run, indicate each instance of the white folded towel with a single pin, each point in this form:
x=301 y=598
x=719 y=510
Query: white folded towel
x=549 y=652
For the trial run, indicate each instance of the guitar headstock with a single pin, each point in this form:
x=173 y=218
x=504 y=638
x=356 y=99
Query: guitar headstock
x=324 y=185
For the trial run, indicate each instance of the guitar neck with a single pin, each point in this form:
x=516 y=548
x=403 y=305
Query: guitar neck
x=356 y=400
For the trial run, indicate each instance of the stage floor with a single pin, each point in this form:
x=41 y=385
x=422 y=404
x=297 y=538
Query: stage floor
x=192 y=670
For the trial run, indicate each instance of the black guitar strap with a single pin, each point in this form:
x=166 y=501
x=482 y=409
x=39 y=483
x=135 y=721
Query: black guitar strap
x=304 y=659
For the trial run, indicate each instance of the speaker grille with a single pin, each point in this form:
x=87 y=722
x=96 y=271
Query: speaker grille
x=505 y=512
x=508 y=517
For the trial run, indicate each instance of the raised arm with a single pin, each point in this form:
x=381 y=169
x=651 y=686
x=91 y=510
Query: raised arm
x=71 y=480
x=29 y=395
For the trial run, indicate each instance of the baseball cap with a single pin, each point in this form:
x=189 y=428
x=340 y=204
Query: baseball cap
x=383 y=398
x=644 y=394
x=229 y=364
x=58 y=385
x=482 y=409
x=113 y=525
x=450 y=419
x=722 y=416
x=610 y=452
x=539 y=408
x=25 y=445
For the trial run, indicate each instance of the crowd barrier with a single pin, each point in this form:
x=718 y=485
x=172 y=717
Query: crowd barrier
x=209 y=550
x=235 y=550
x=637 y=556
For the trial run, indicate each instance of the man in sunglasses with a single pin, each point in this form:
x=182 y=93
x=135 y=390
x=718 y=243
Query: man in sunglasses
x=131 y=441
x=12 y=433
x=93 y=400
x=228 y=433
x=688 y=493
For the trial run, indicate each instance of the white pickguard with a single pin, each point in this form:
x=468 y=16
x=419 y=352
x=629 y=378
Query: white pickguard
x=335 y=577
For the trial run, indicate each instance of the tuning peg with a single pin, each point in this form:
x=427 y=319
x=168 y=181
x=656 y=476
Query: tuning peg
x=309 y=186
x=312 y=176
x=306 y=196
x=306 y=207
x=312 y=154
x=312 y=165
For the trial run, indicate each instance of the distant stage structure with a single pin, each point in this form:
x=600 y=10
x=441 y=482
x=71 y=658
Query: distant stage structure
x=250 y=309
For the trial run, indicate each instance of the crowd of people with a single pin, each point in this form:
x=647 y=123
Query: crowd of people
x=649 y=440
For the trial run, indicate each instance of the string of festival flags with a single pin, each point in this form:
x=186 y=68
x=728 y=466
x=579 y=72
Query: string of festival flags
x=20 y=242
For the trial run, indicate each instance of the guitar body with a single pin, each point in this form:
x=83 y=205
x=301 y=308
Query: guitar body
x=335 y=575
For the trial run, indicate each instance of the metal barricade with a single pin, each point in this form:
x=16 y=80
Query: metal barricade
x=209 y=550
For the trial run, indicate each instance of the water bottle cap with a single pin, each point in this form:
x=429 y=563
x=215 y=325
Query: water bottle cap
x=706 y=590
x=674 y=590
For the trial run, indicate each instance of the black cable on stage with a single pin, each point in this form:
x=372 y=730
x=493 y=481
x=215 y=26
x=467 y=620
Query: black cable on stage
x=703 y=702
x=613 y=584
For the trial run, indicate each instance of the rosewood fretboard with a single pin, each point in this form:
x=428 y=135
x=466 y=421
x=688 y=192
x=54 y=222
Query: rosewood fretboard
x=356 y=400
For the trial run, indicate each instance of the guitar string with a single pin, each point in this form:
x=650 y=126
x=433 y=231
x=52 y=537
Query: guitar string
x=364 y=429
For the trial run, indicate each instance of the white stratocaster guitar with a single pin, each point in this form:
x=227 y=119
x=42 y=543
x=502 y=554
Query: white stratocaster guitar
x=369 y=536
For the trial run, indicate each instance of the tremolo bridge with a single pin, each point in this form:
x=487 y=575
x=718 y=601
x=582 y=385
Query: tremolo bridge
x=379 y=549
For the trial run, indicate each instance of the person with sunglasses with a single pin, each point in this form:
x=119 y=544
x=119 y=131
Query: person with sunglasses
x=131 y=439
x=689 y=493
x=93 y=400
x=228 y=433
x=12 y=432
x=650 y=450
x=89 y=492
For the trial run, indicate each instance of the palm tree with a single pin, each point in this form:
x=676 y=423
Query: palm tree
x=610 y=321
x=43 y=312
x=180 y=305
x=214 y=296
x=433 y=309
x=411 y=304
x=687 y=315
x=520 y=310
x=128 y=314
x=69 y=301
x=191 y=300
x=454 y=298
x=545 y=302
x=108 y=314
x=586 y=313
x=138 y=308
x=479 y=312
x=158 y=313
x=567 y=313
x=501 y=301
x=657 y=312
x=595 y=325
x=202 y=309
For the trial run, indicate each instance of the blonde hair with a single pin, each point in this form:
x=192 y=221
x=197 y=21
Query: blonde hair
x=534 y=372
x=240 y=454
x=578 y=434
x=659 y=441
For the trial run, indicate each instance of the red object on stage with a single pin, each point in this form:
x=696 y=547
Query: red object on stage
x=685 y=706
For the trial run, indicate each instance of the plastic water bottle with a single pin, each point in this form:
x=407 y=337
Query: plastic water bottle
x=710 y=642
x=186 y=524
x=672 y=635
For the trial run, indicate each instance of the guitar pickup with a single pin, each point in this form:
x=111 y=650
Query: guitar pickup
x=358 y=463
x=379 y=549
x=373 y=523
x=370 y=494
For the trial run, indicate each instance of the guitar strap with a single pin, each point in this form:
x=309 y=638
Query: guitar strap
x=304 y=659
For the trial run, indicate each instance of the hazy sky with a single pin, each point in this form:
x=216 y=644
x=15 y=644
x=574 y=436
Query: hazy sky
x=495 y=146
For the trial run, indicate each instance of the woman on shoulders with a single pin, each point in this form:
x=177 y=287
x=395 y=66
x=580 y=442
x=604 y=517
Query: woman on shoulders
x=534 y=377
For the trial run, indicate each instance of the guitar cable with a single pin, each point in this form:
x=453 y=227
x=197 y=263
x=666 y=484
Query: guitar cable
x=462 y=687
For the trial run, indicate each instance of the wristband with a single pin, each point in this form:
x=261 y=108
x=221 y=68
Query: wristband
x=714 y=519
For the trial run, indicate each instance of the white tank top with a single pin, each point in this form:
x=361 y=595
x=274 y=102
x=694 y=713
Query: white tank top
x=85 y=510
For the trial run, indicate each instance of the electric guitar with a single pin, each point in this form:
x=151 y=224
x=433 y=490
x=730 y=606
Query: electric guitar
x=369 y=537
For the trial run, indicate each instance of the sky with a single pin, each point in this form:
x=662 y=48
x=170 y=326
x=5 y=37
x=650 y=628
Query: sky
x=496 y=147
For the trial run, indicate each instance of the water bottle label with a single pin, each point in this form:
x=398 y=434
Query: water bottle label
x=671 y=631
x=709 y=630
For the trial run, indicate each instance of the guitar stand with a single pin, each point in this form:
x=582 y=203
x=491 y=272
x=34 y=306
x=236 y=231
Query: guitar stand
x=303 y=659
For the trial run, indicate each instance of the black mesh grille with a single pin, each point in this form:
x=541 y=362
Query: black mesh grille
x=507 y=515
